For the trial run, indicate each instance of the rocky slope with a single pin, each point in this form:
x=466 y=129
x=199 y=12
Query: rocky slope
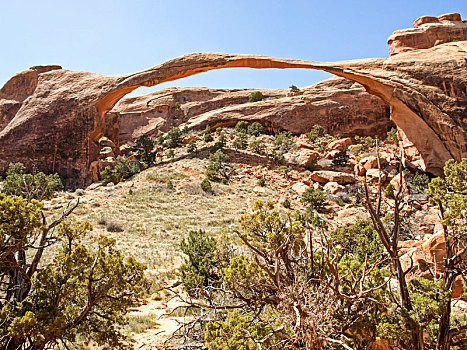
x=55 y=124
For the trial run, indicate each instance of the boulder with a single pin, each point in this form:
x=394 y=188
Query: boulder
x=340 y=145
x=359 y=170
x=374 y=174
x=350 y=216
x=299 y=187
x=325 y=176
x=306 y=156
x=333 y=188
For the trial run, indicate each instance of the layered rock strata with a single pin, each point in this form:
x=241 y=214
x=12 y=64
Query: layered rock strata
x=339 y=105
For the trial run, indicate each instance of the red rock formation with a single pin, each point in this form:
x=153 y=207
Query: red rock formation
x=342 y=107
x=428 y=32
x=57 y=127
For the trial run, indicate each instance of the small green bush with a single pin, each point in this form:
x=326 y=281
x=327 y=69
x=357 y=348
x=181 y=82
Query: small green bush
x=255 y=129
x=206 y=185
x=30 y=186
x=173 y=138
x=340 y=158
x=199 y=268
x=293 y=88
x=262 y=182
x=185 y=130
x=241 y=126
x=314 y=198
x=191 y=147
x=283 y=142
x=255 y=96
x=257 y=146
x=366 y=141
x=421 y=182
x=392 y=136
x=170 y=185
x=221 y=141
x=113 y=226
x=286 y=203
x=123 y=169
x=316 y=132
x=240 y=141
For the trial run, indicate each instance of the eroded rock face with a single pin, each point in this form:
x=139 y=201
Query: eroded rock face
x=339 y=105
x=428 y=32
x=56 y=123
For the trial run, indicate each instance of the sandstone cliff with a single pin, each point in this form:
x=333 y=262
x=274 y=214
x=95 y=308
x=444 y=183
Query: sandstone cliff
x=56 y=125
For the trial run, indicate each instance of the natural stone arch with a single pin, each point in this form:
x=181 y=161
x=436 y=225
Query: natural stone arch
x=431 y=114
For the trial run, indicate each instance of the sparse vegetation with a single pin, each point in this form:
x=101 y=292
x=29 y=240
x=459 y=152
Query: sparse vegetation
x=392 y=136
x=257 y=146
x=206 y=185
x=30 y=186
x=173 y=138
x=293 y=88
x=144 y=150
x=340 y=158
x=314 y=198
x=255 y=129
x=283 y=142
x=316 y=132
x=255 y=96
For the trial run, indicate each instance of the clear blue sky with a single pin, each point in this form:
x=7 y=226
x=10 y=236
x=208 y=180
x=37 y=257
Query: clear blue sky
x=117 y=37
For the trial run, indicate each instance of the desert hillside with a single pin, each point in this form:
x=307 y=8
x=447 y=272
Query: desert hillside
x=328 y=216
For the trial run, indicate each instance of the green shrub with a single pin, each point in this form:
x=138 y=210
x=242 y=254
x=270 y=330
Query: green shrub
x=218 y=167
x=170 y=185
x=283 y=142
x=173 y=138
x=257 y=146
x=185 y=130
x=255 y=96
x=206 y=185
x=160 y=140
x=143 y=150
x=199 y=268
x=170 y=154
x=123 y=169
x=421 y=182
x=286 y=203
x=191 y=147
x=255 y=129
x=340 y=158
x=221 y=141
x=240 y=141
x=30 y=186
x=314 y=198
x=293 y=88
x=262 y=182
x=366 y=141
x=113 y=226
x=316 y=132
x=359 y=239
x=241 y=126
x=392 y=136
